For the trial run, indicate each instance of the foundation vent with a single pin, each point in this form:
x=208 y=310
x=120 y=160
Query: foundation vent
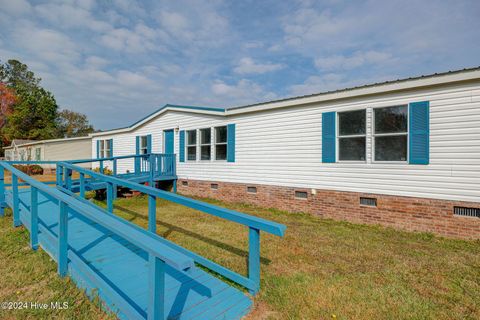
x=371 y=202
x=214 y=186
x=301 y=195
x=466 y=212
x=185 y=183
x=252 y=189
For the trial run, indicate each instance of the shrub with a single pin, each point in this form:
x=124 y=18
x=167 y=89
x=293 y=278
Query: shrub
x=30 y=169
x=105 y=171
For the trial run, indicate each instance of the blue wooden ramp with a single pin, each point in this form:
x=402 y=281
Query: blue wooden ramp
x=138 y=274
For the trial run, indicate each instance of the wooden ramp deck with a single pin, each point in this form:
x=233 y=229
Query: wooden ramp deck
x=135 y=272
x=119 y=270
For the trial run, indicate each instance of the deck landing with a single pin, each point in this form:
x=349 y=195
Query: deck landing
x=118 y=270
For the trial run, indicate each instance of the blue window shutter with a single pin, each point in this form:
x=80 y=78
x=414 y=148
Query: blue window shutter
x=328 y=137
x=419 y=129
x=149 y=143
x=98 y=149
x=111 y=147
x=137 y=152
x=182 y=146
x=231 y=142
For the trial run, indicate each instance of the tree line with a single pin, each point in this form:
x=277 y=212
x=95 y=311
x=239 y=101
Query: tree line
x=28 y=111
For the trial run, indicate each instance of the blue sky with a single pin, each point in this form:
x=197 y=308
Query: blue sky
x=118 y=60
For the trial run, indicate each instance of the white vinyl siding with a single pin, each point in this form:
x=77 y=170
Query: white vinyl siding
x=283 y=147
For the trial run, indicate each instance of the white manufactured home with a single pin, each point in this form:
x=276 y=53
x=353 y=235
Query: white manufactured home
x=50 y=150
x=404 y=153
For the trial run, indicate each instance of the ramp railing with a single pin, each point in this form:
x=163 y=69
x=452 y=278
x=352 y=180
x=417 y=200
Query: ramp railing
x=254 y=224
x=158 y=249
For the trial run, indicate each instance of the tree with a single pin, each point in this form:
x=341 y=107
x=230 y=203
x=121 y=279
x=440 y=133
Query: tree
x=73 y=124
x=34 y=113
x=7 y=100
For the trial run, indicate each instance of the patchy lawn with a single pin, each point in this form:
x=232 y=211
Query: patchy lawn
x=31 y=276
x=322 y=269
x=325 y=268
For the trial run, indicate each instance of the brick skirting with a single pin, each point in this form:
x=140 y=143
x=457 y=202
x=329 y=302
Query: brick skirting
x=407 y=213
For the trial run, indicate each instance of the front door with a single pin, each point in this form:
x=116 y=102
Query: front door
x=168 y=139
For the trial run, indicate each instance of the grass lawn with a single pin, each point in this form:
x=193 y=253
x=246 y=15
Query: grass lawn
x=322 y=269
x=30 y=276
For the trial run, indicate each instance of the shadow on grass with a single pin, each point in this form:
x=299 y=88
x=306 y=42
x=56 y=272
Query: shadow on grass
x=172 y=228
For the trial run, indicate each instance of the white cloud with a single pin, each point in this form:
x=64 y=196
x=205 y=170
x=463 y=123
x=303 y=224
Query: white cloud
x=139 y=39
x=354 y=61
x=243 y=92
x=70 y=16
x=248 y=66
x=46 y=44
x=15 y=7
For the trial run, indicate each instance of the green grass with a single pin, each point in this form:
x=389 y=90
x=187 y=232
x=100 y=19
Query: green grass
x=30 y=276
x=321 y=269
x=324 y=267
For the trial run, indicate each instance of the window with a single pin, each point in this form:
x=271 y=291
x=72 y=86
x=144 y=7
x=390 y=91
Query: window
x=205 y=144
x=29 y=154
x=371 y=202
x=221 y=143
x=38 y=154
x=192 y=145
x=391 y=133
x=185 y=183
x=105 y=148
x=214 y=186
x=352 y=135
x=144 y=145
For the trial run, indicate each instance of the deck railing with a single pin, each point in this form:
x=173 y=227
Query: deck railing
x=159 y=252
x=254 y=224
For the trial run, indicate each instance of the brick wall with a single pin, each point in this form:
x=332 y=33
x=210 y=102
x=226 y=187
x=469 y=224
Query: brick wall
x=408 y=213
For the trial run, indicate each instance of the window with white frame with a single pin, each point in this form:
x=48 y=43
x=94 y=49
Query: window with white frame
x=38 y=154
x=143 y=145
x=352 y=135
x=391 y=133
x=29 y=154
x=105 y=148
x=192 y=145
x=205 y=143
x=221 y=143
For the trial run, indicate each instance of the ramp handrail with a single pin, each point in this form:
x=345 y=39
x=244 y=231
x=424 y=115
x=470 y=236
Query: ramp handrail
x=254 y=224
x=159 y=252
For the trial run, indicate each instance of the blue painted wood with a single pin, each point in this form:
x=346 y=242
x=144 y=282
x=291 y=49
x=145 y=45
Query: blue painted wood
x=254 y=258
x=63 y=239
x=168 y=137
x=156 y=281
x=235 y=216
x=328 y=137
x=111 y=148
x=82 y=185
x=98 y=148
x=2 y=191
x=149 y=143
x=110 y=197
x=16 y=202
x=231 y=142
x=34 y=218
x=419 y=129
x=119 y=272
x=181 y=146
x=152 y=213
x=137 y=152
